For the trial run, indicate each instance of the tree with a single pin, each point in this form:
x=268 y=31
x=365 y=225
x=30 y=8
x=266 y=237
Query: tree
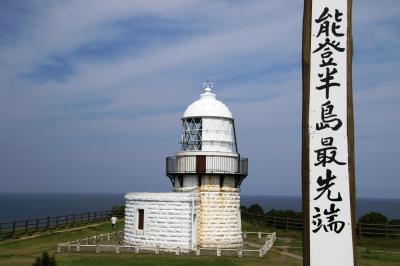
x=45 y=260
x=373 y=218
x=394 y=222
x=284 y=213
x=376 y=222
x=118 y=211
x=256 y=209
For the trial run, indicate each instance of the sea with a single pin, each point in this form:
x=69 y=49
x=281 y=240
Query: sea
x=21 y=206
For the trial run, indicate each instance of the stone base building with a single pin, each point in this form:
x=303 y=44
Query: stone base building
x=167 y=220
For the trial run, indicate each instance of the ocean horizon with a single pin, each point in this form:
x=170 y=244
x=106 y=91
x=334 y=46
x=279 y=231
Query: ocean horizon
x=21 y=206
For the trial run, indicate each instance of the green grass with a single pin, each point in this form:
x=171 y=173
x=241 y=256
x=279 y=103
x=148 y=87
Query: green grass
x=24 y=252
x=31 y=231
x=171 y=260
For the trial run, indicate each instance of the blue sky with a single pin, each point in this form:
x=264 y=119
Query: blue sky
x=91 y=92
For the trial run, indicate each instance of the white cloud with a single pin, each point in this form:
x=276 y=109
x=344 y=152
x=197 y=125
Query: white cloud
x=251 y=49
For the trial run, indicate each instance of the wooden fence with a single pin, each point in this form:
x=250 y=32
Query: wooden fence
x=18 y=227
x=362 y=229
x=113 y=242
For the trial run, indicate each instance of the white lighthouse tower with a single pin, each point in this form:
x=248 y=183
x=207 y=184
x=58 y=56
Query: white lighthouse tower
x=209 y=164
x=204 y=208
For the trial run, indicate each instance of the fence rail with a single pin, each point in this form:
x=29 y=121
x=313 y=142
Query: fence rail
x=16 y=227
x=362 y=229
x=113 y=242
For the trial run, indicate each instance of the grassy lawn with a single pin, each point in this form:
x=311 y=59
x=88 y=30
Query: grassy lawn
x=148 y=259
x=23 y=252
x=371 y=251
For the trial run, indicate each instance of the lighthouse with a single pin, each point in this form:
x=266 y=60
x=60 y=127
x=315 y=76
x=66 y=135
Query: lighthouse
x=206 y=173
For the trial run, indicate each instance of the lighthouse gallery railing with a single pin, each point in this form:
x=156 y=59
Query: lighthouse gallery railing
x=213 y=164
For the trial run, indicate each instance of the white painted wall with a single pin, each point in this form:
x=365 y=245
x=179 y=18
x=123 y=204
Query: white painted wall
x=190 y=183
x=217 y=134
x=167 y=219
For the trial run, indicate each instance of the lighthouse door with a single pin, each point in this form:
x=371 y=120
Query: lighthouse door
x=200 y=164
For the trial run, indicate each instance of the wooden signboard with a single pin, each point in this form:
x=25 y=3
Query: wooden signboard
x=328 y=134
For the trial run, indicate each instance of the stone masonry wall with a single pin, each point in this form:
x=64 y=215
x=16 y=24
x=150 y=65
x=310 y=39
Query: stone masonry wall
x=219 y=223
x=167 y=219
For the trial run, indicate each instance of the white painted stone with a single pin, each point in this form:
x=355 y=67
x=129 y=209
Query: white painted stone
x=167 y=219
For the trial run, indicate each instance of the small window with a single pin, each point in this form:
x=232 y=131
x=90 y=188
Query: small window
x=141 y=219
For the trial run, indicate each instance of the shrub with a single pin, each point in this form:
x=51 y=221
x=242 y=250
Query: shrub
x=118 y=211
x=256 y=209
x=45 y=260
x=284 y=213
x=374 y=224
x=373 y=218
x=243 y=208
x=394 y=222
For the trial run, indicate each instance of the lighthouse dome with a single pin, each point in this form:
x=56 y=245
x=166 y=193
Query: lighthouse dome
x=207 y=106
x=208 y=126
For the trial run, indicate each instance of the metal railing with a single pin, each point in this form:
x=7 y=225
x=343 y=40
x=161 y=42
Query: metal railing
x=214 y=164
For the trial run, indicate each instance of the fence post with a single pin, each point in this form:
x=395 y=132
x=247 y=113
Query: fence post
x=13 y=226
x=157 y=249
x=78 y=246
x=218 y=252
x=387 y=231
x=244 y=235
x=117 y=248
x=178 y=250
x=197 y=251
x=287 y=223
x=98 y=248
x=26 y=226
x=259 y=235
x=240 y=253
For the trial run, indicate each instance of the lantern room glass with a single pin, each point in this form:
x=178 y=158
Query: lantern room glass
x=191 y=134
